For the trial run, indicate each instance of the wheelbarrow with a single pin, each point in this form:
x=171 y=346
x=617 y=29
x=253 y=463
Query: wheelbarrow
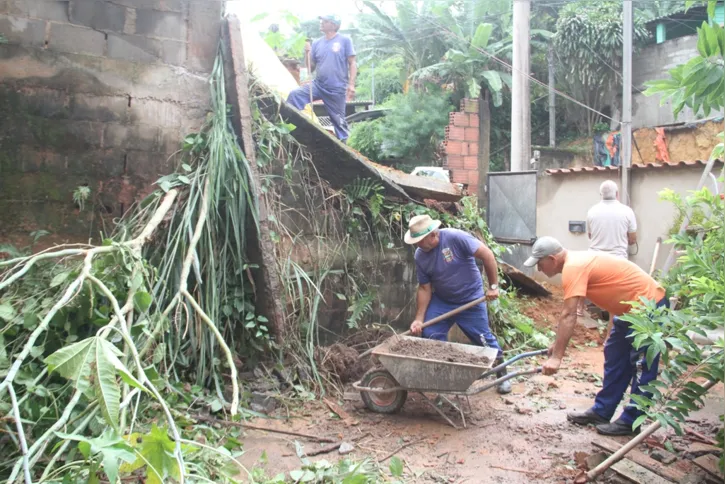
x=384 y=390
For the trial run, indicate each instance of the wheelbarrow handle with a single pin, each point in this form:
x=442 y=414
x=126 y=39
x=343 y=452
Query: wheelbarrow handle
x=508 y=376
x=513 y=360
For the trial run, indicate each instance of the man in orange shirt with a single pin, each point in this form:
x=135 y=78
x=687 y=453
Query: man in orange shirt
x=609 y=282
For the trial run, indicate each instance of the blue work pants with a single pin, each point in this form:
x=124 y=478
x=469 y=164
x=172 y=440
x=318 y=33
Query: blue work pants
x=473 y=322
x=335 y=102
x=624 y=366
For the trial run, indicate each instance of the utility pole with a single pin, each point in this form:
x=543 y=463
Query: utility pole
x=626 y=160
x=520 y=95
x=372 y=87
x=552 y=99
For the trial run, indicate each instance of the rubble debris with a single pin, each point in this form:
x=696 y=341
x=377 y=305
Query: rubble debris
x=336 y=359
x=263 y=403
x=639 y=457
x=521 y=280
x=697 y=449
x=346 y=448
x=636 y=473
x=594 y=460
x=661 y=455
x=709 y=463
x=437 y=350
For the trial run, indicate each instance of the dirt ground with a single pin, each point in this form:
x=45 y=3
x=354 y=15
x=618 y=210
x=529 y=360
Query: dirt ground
x=517 y=438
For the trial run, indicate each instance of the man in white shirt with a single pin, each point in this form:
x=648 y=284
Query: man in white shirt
x=612 y=227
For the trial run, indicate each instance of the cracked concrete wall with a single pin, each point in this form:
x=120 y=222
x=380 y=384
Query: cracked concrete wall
x=97 y=93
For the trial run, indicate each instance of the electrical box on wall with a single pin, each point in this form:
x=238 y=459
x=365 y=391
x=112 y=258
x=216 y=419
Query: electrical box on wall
x=577 y=226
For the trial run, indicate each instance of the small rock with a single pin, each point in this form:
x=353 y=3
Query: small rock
x=562 y=405
x=594 y=460
x=508 y=401
x=346 y=448
x=263 y=403
x=663 y=456
x=524 y=410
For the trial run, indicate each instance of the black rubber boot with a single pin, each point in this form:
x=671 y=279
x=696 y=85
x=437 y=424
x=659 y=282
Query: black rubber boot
x=504 y=387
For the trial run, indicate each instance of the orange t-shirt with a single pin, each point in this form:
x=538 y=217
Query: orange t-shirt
x=607 y=281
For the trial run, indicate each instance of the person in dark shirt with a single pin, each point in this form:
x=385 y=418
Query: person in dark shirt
x=448 y=277
x=333 y=58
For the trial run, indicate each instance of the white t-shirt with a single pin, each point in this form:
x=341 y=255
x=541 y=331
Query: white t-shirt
x=609 y=222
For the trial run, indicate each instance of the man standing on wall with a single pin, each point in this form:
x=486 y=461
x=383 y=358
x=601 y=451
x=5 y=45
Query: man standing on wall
x=612 y=228
x=333 y=57
x=609 y=282
x=448 y=278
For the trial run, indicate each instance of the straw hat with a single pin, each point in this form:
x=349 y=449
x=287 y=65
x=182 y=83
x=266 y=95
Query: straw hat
x=420 y=226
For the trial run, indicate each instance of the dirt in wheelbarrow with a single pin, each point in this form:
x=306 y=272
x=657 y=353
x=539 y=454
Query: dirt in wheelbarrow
x=436 y=350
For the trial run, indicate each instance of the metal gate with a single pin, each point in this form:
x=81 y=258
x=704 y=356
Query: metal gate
x=512 y=206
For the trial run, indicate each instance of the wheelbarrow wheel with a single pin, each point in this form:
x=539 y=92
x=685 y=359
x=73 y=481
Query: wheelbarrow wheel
x=388 y=402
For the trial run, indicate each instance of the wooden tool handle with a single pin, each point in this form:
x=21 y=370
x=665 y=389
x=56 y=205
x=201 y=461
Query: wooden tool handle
x=438 y=319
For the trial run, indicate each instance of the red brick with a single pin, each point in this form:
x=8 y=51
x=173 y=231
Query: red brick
x=473 y=120
x=470 y=134
x=469 y=105
x=470 y=162
x=473 y=149
x=456 y=133
x=459 y=176
x=454 y=147
x=472 y=177
x=461 y=120
x=473 y=189
x=455 y=162
x=464 y=148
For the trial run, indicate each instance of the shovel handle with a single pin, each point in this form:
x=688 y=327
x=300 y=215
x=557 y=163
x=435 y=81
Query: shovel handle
x=438 y=319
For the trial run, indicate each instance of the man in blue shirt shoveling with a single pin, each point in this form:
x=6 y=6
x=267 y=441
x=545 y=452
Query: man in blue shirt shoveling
x=333 y=57
x=448 y=278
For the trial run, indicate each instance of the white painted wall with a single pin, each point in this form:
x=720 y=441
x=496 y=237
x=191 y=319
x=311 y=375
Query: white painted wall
x=565 y=197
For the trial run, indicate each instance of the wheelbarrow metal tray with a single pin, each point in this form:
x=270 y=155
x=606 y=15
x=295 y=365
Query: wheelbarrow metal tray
x=433 y=375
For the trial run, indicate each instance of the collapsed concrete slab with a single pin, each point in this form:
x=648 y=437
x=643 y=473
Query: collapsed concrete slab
x=336 y=162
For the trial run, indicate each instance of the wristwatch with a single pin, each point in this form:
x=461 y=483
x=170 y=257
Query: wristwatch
x=493 y=286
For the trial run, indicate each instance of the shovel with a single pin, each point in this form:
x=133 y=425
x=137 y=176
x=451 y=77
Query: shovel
x=440 y=318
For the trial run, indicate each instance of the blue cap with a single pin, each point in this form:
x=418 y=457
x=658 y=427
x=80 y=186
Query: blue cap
x=332 y=18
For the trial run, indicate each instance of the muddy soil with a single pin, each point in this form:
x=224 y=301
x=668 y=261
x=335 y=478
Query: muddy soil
x=436 y=350
x=522 y=437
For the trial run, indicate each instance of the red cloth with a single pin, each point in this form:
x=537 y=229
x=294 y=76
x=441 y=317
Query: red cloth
x=662 y=154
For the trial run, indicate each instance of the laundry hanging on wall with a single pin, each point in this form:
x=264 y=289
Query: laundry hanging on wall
x=662 y=153
x=607 y=148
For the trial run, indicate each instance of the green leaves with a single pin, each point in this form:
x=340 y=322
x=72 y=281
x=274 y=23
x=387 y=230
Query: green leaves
x=7 y=313
x=155 y=451
x=700 y=82
x=493 y=79
x=109 y=447
x=480 y=38
x=396 y=466
x=93 y=363
x=142 y=301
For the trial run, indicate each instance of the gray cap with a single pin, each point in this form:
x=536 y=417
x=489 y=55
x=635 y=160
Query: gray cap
x=543 y=247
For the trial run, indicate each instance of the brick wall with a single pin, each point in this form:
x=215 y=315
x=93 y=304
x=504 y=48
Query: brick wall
x=97 y=93
x=461 y=144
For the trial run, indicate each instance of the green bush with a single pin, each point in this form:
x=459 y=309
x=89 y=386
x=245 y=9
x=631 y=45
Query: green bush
x=387 y=76
x=365 y=138
x=412 y=130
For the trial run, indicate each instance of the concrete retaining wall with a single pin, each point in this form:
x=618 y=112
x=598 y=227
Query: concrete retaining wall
x=97 y=93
